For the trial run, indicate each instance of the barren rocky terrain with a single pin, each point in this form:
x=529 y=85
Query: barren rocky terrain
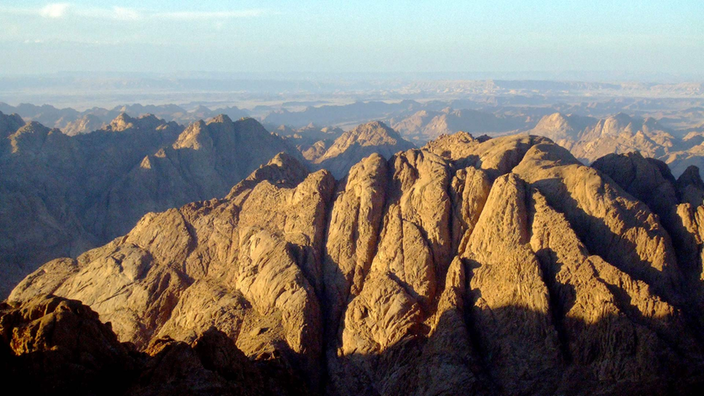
x=499 y=266
x=61 y=195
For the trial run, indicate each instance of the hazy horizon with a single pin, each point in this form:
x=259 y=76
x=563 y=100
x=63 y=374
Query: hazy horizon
x=643 y=40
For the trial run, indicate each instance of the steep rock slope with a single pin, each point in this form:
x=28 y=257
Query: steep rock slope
x=51 y=345
x=589 y=138
x=501 y=267
x=203 y=162
x=63 y=195
x=428 y=125
x=50 y=183
x=250 y=263
x=352 y=146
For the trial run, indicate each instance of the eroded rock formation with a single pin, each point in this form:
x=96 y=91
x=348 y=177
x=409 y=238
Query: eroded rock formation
x=500 y=266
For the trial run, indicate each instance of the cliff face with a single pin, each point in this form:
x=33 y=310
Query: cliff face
x=61 y=195
x=500 y=266
x=54 y=345
x=52 y=185
x=589 y=138
x=358 y=143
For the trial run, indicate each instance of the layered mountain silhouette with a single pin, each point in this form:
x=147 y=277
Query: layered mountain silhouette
x=61 y=195
x=589 y=138
x=74 y=122
x=499 y=266
x=311 y=140
x=352 y=146
x=334 y=114
x=428 y=125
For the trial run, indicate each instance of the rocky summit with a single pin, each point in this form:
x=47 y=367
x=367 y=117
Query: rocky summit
x=469 y=266
x=61 y=195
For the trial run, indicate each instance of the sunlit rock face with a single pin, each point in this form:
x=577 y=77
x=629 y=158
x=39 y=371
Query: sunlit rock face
x=501 y=266
x=61 y=195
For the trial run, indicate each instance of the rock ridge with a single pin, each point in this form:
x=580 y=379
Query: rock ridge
x=487 y=266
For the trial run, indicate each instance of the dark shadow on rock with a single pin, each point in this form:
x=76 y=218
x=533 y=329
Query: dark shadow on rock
x=610 y=356
x=623 y=364
x=600 y=240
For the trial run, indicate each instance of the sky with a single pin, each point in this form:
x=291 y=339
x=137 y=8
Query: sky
x=391 y=36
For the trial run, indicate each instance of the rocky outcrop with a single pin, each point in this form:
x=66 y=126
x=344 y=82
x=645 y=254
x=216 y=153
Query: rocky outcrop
x=504 y=266
x=51 y=344
x=86 y=124
x=53 y=188
x=427 y=125
x=352 y=146
x=589 y=138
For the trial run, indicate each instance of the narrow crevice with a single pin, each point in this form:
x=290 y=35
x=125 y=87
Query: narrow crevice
x=557 y=292
x=327 y=342
x=549 y=268
x=482 y=370
x=623 y=303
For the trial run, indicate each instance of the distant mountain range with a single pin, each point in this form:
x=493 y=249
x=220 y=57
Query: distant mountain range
x=590 y=138
x=500 y=266
x=69 y=193
x=60 y=194
x=428 y=125
x=73 y=122
x=416 y=120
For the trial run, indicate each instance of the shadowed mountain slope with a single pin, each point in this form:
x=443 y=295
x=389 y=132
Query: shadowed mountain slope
x=501 y=266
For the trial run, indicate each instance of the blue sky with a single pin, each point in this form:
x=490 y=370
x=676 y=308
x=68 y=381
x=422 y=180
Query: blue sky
x=352 y=36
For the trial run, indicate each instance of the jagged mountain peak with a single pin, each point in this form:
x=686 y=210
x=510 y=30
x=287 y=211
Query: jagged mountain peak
x=590 y=138
x=124 y=122
x=373 y=133
x=220 y=119
x=554 y=121
x=410 y=263
x=195 y=137
x=360 y=142
x=9 y=124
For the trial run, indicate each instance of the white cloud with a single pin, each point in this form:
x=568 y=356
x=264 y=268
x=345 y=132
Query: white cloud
x=55 y=10
x=62 y=10
x=196 y=15
x=126 y=14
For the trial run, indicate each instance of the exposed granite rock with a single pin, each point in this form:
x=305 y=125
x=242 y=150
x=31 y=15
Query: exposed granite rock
x=362 y=141
x=56 y=345
x=51 y=185
x=500 y=267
